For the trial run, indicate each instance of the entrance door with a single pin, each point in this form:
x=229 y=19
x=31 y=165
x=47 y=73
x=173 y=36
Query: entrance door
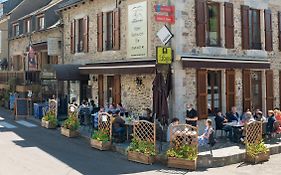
x=214 y=91
x=113 y=89
x=256 y=90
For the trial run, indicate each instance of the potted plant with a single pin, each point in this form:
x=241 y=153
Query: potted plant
x=49 y=121
x=141 y=151
x=70 y=127
x=257 y=152
x=184 y=156
x=100 y=140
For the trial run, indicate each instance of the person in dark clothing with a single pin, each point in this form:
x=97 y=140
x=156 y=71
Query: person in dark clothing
x=118 y=126
x=232 y=115
x=191 y=115
x=270 y=122
x=220 y=119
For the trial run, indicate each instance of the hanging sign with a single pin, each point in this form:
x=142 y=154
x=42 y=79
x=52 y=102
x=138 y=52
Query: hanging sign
x=32 y=61
x=164 y=55
x=166 y=19
x=164 y=8
x=164 y=35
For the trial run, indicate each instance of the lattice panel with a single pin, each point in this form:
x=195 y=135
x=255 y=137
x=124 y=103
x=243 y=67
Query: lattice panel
x=53 y=107
x=183 y=134
x=105 y=123
x=253 y=132
x=145 y=131
x=72 y=110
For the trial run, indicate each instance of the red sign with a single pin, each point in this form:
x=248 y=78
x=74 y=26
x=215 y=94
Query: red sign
x=164 y=8
x=164 y=18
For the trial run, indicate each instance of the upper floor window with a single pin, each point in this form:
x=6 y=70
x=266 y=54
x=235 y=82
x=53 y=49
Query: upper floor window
x=27 y=25
x=108 y=30
x=213 y=27
x=79 y=32
x=16 y=29
x=40 y=22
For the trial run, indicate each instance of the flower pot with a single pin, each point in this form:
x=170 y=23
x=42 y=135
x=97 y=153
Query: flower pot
x=182 y=163
x=69 y=133
x=100 y=145
x=261 y=157
x=47 y=124
x=140 y=158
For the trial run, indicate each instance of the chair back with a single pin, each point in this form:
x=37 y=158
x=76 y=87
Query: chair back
x=212 y=140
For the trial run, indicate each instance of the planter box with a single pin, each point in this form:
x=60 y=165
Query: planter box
x=182 y=163
x=101 y=145
x=262 y=157
x=69 y=133
x=47 y=124
x=140 y=158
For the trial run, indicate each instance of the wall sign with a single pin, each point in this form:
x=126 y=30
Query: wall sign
x=166 y=19
x=32 y=60
x=53 y=46
x=164 y=8
x=164 y=35
x=137 y=30
x=164 y=55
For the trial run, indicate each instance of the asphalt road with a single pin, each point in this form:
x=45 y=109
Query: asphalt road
x=32 y=150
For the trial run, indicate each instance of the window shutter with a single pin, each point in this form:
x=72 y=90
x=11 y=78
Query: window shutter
x=86 y=34
x=230 y=89
x=100 y=32
x=201 y=6
x=268 y=30
x=100 y=90
x=117 y=89
x=246 y=90
x=72 y=36
x=116 y=29
x=279 y=29
x=229 y=25
x=245 y=26
x=202 y=106
x=269 y=90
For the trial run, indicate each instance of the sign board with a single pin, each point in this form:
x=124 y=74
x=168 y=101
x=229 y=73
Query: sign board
x=53 y=46
x=166 y=19
x=164 y=55
x=164 y=35
x=137 y=30
x=22 y=107
x=164 y=8
x=32 y=60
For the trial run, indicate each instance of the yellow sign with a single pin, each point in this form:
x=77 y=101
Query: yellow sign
x=164 y=55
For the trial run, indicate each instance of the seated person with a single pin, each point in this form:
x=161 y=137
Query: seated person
x=204 y=138
x=147 y=115
x=175 y=121
x=248 y=118
x=232 y=115
x=270 y=121
x=118 y=125
x=95 y=117
x=277 y=115
x=191 y=116
x=259 y=117
x=220 y=119
x=121 y=109
x=83 y=112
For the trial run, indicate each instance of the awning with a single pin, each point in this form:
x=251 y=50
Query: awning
x=63 y=72
x=224 y=63
x=122 y=67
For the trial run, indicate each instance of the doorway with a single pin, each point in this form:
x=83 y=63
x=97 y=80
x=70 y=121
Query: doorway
x=214 y=92
x=256 y=90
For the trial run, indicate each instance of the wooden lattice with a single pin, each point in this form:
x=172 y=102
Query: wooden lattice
x=53 y=107
x=253 y=132
x=105 y=123
x=183 y=134
x=145 y=131
x=72 y=110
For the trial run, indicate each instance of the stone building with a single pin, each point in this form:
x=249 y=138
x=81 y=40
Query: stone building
x=98 y=35
x=227 y=53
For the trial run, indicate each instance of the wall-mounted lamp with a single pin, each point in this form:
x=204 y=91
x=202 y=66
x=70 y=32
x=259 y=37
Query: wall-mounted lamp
x=94 y=78
x=138 y=81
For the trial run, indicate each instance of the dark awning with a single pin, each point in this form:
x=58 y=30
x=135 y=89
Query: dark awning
x=63 y=72
x=122 y=67
x=224 y=63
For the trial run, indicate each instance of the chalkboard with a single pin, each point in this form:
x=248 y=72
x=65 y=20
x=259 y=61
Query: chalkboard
x=22 y=107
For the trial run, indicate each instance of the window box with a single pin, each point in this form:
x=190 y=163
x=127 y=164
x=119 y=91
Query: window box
x=100 y=145
x=69 y=133
x=182 y=163
x=262 y=157
x=140 y=158
x=47 y=124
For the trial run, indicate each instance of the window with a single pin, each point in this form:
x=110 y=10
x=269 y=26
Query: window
x=16 y=29
x=27 y=26
x=213 y=29
x=109 y=29
x=79 y=31
x=214 y=91
x=40 y=22
x=79 y=35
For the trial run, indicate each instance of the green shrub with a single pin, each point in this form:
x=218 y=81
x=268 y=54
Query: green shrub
x=253 y=149
x=101 y=135
x=184 y=152
x=141 y=146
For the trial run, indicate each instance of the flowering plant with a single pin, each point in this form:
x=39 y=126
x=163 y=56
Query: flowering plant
x=71 y=123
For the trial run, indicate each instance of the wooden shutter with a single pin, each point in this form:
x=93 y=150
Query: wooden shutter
x=100 y=90
x=86 y=34
x=100 y=32
x=279 y=29
x=229 y=25
x=117 y=89
x=245 y=26
x=247 y=99
x=268 y=30
x=202 y=106
x=201 y=6
x=230 y=89
x=269 y=90
x=72 y=36
x=116 y=29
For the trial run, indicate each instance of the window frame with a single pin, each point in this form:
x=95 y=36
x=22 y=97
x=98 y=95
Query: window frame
x=79 y=29
x=38 y=19
x=207 y=32
x=254 y=43
x=27 y=26
x=16 y=29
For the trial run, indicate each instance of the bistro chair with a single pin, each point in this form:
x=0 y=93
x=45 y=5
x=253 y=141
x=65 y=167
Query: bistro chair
x=212 y=141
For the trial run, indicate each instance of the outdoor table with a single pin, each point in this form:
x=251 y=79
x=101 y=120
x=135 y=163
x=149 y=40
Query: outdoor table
x=234 y=124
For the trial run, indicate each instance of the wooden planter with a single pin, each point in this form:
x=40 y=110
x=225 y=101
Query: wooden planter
x=140 y=158
x=182 y=163
x=69 y=133
x=100 y=145
x=262 y=157
x=47 y=124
